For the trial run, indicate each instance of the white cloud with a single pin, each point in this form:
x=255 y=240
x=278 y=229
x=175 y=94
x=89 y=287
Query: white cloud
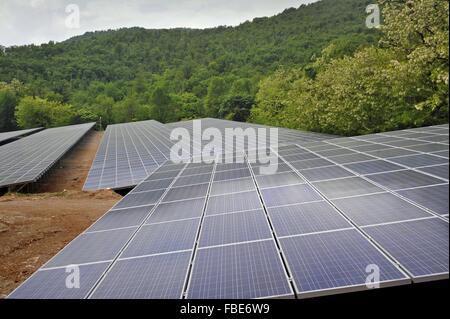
x=39 y=21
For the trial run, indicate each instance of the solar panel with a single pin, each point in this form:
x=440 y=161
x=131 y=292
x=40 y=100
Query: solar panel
x=306 y=218
x=321 y=263
x=434 y=198
x=378 y=208
x=421 y=246
x=127 y=154
x=334 y=210
x=162 y=238
x=51 y=283
x=7 y=137
x=249 y=270
x=91 y=247
x=149 y=277
x=234 y=228
x=26 y=160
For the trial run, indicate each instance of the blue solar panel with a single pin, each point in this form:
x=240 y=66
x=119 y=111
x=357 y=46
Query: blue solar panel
x=372 y=167
x=232 y=186
x=140 y=199
x=435 y=198
x=177 y=210
x=347 y=187
x=286 y=195
x=121 y=218
x=51 y=283
x=438 y=170
x=282 y=179
x=378 y=208
x=324 y=173
x=233 y=203
x=233 y=228
x=335 y=260
x=306 y=218
x=251 y=270
x=420 y=246
x=153 y=277
x=186 y=192
x=404 y=179
x=92 y=247
x=419 y=160
x=162 y=238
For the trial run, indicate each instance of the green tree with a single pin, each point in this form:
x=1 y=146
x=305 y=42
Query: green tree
x=217 y=89
x=419 y=31
x=36 y=112
x=10 y=94
x=162 y=105
x=237 y=108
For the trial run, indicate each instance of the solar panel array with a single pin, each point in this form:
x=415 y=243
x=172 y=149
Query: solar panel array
x=10 y=136
x=335 y=210
x=26 y=160
x=130 y=152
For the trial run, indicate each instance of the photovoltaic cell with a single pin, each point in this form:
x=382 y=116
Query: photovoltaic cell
x=192 y=180
x=388 y=153
x=162 y=238
x=335 y=260
x=430 y=147
x=351 y=158
x=439 y=171
x=420 y=246
x=346 y=187
x=372 y=167
x=234 y=228
x=140 y=199
x=51 y=283
x=306 y=218
x=153 y=185
x=282 y=179
x=186 y=192
x=286 y=195
x=324 y=173
x=92 y=247
x=177 y=210
x=419 y=160
x=153 y=277
x=233 y=203
x=435 y=198
x=404 y=179
x=233 y=174
x=243 y=271
x=378 y=208
x=232 y=186
x=121 y=218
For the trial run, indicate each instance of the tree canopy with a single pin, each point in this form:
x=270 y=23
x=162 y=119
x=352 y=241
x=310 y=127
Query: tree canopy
x=316 y=67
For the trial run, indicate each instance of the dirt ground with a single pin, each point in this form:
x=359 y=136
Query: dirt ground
x=34 y=227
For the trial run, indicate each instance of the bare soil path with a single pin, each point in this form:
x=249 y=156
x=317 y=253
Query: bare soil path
x=34 y=227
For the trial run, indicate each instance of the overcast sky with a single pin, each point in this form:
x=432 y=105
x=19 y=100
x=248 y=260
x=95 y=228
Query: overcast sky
x=39 y=21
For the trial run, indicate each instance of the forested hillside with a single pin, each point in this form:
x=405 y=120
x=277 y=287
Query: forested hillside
x=306 y=68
